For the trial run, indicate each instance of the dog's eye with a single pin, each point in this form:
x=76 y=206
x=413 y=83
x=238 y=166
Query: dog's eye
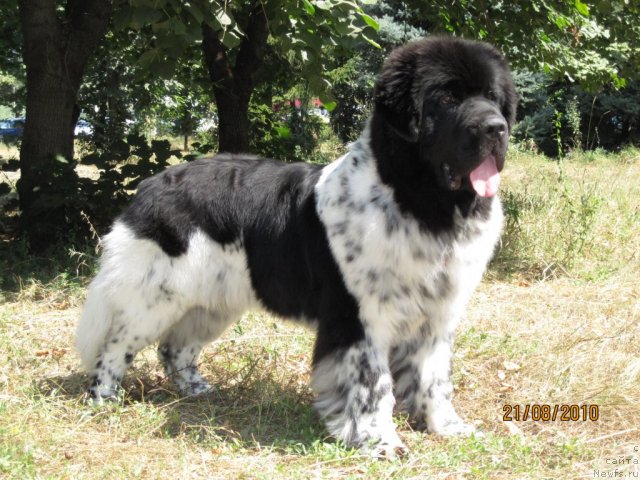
x=448 y=100
x=491 y=95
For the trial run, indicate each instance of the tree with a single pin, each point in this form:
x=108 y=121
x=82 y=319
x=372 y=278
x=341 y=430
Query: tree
x=354 y=76
x=235 y=37
x=593 y=43
x=236 y=43
x=56 y=46
x=592 y=48
x=582 y=48
x=234 y=84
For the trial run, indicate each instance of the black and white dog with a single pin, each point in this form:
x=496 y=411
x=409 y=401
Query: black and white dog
x=380 y=250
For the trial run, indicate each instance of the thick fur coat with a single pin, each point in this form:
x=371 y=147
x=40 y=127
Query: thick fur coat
x=379 y=250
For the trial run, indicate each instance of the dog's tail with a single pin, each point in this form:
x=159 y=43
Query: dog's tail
x=94 y=325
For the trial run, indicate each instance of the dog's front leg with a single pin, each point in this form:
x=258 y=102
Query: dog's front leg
x=354 y=393
x=422 y=374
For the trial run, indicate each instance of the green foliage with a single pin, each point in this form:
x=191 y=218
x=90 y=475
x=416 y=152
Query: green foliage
x=119 y=96
x=269 y=135
x=12 y=94
x=557 y=134
x=110 y=97
x=535 y=111
x=353 y=80
x=612 y=117
x=121 y=169
x=289 y=134
x=303 y=30
x=558 y=117
x=63 y=272
x=11 y=47
x=16 y=461
x=186 y=105
x=574 y=124
x=352 y=89
x=593 y=44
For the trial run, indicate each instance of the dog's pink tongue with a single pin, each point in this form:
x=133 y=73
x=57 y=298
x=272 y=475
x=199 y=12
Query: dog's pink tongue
x=486 y=178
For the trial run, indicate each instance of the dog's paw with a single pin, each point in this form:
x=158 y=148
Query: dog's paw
x=102 y=395
x=189 y=382
x=385 y=449
x=453 y=427
x=196 y=388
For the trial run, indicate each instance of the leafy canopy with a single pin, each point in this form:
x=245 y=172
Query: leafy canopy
x=303 y=30
x=593 y=43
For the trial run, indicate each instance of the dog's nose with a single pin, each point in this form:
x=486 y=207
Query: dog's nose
x=494 y=127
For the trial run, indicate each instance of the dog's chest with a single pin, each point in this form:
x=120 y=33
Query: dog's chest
x=399 y=274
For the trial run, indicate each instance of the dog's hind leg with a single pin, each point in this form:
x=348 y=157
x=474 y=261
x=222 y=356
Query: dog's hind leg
x=131 y=329
x=180 y=348
x=118 y=320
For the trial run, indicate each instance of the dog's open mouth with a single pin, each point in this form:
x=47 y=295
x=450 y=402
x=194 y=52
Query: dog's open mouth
x=485 y=178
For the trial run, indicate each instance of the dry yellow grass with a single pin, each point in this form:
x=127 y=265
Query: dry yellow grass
x=562 y=343
x=568 y=335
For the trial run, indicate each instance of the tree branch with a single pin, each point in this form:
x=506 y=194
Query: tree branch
x=238 y=78
x=252 y=48
x=41 y=29
x=215 y=57
x=89 y=21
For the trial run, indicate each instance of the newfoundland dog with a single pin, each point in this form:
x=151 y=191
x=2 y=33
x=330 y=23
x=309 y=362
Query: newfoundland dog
x=380 y=250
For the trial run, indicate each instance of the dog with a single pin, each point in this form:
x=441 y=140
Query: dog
x=379 y=250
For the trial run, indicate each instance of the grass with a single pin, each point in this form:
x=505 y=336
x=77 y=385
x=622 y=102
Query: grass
x=556 y=321
x=579 y=215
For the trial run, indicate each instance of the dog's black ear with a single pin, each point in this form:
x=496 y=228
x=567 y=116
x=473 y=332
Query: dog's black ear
x=394 y=96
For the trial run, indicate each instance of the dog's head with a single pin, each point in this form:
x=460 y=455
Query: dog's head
x=455 y=100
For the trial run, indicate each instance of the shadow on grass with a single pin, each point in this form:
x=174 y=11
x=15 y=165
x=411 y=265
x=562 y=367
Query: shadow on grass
x=249 y=414
x=62 y=268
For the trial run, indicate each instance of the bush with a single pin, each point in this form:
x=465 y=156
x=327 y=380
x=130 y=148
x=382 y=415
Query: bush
x=121 y=169
x=290 y=134
x=559 y=116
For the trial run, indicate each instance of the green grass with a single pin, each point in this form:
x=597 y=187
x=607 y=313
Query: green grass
x=556 y=321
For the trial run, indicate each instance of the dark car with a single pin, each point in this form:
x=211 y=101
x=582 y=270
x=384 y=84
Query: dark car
x=82 y=129
x=11 y=128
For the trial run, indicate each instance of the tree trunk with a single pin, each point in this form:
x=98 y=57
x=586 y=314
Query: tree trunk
x=234 y=84
x=55 y=53
x=48 y=180
x=233 y=115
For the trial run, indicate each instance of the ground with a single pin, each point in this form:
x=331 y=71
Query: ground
x=556 y=322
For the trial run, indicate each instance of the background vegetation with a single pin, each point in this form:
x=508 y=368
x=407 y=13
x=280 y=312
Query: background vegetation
x=248 y=75
x=160 y=82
